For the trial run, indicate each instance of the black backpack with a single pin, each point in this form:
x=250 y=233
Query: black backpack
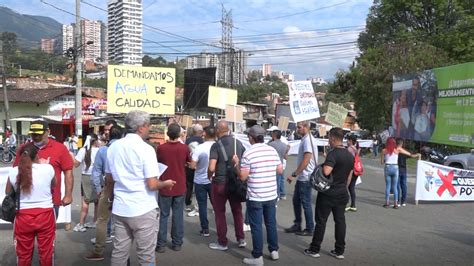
x=234 y=187
x=319 y=181
x=10 y=204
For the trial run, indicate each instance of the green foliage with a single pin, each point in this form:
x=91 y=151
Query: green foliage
x=404 y=37
x=257 y=91
x=179 y=65
x=96 y=83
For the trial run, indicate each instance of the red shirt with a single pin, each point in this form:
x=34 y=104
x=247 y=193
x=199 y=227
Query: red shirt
x=59 y=158
x=175 y=155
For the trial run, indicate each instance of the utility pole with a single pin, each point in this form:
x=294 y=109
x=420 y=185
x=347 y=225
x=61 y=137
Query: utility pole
x=4 y=85
x=78 y=102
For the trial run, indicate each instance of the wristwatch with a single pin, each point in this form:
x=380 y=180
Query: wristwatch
x=294 y=174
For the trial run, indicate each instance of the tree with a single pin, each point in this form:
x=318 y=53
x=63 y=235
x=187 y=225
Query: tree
x=404 y=37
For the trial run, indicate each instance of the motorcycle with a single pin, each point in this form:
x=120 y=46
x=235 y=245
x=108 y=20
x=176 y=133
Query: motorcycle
x=7 y=155
x=433 y=155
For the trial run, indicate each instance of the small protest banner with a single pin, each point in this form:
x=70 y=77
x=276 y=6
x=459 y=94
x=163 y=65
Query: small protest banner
x=234 y=113
x=220 y=97
x=436 y=182
x=336 y=115
x=303 y=102
x=283 y=122
x=187 y=121
x=150 y=89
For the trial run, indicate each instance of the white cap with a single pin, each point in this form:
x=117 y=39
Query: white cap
x=274 y=128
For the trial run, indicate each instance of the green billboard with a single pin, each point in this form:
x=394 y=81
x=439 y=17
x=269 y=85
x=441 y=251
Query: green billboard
x=435 y=106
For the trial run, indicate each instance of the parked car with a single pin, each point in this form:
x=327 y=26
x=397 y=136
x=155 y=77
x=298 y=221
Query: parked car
x=462 y=161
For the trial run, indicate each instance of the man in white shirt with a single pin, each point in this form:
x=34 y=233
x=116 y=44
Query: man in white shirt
x=259 y=166
x=202 y=184
x=132 y=173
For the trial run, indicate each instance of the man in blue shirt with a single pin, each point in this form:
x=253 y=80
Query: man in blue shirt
x=103 y=213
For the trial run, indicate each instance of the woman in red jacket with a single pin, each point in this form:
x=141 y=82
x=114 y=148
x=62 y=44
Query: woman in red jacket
x=35 y=218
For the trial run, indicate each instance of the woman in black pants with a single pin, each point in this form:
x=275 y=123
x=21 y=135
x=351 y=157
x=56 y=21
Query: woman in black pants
x=354 y=149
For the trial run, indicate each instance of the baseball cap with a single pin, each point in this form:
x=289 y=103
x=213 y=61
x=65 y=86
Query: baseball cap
x=38 y=127
x=274 y=128
x=256 y=131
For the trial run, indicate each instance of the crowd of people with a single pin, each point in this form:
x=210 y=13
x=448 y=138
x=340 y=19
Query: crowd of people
x=133 y=199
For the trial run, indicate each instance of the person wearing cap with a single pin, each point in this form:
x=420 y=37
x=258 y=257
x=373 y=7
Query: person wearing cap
x=259 y=166
x=306 y=163
x=58 y=156
x=282 y=150
x=192 y=141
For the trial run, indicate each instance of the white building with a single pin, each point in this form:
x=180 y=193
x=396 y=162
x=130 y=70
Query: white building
x=68 y=37
x=266 y=70
x=125 y=31
x=318 y=81
x=91 y=31
x=223 y=72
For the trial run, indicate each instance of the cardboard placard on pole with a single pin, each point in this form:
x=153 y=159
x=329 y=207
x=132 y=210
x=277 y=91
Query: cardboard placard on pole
x=234 y=113
x=187 y=121
x=283 y=122
x=322 y=131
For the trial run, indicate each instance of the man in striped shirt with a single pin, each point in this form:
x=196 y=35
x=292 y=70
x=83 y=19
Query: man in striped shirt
x=259 y=167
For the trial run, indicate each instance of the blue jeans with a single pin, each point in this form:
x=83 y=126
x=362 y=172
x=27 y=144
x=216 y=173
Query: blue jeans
x=302 y=198
x=202 y=193
x=256 y=211
x=176 y=204
x=391 y=182
x=402 y=177
x=281 y=185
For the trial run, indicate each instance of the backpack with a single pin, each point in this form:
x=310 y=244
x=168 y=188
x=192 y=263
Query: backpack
x=358 y=167
x=234 y=187
x=319 y=181
x=10 y=204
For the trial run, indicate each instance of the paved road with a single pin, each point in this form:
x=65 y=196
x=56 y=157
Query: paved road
x=427 y=234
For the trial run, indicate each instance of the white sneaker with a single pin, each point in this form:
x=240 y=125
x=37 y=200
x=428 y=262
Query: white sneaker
x=89 y=225
x=108 y=240
x=274 y=254
x=246 y=228
x=79 y=228
x=253 y=261
x=242 y=243
x=188 y=208
x=193 y=213
x=216 y=246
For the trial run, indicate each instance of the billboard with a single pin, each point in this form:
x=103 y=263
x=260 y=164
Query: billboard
x=149 y=89
x=196 y=87
x=435 y=105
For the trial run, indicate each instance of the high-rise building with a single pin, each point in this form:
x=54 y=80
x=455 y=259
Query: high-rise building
x=266 y=70
x=125 y=31
x=91 y=31
x=104 y=53
x=68 y=37
x=234 y=72
x=48 y=45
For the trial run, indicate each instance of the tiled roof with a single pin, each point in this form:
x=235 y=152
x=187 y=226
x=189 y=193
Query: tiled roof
x=35 y=95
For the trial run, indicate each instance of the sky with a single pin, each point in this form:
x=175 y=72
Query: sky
x=307 y=38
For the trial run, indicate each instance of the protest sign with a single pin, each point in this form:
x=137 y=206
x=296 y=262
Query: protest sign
x=303 y=103
x=150 y=89
x=220 y=97
x=234 y=113
x=187 y=121
x=283 y=122
x=435 y=182
x=336 y=115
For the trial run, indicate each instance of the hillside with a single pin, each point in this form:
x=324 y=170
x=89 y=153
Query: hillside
x=29 y=29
